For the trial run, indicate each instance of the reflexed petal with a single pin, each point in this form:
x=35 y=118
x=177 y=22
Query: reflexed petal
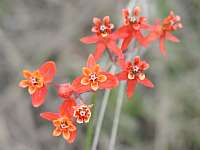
x=152 y=37
x=91 y=61
x=131 y=76
x=94 y=86
x=86 y=71
x=100 y=47
x=144 y=65
x=131 y=84
x=72 y=136
x=171 y=37
x=136 y=11
x=126 y=42
x=162 y=46
x=139 y=37
x=27 y=74
x=141 y=76
x=57 y=132
x=136 y=60
x=111 y=81
x=85 y=81
x=102 y=78
x=38 y=97
x=32 y=90
x=49 y=116
x=78 y=87
x=66 y=135
x=122 y=75
x=89 y=39
x=147 y=83
x=48 y=71
x=125 y=12
x=24 y=83
x=114 y=48
x=66 y=108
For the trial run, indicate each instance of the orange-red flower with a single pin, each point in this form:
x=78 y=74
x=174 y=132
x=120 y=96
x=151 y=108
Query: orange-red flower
x=65 y=90
x=134 y=73
x=62 y=121
x=93 y=78
x=104 y=38
x=82 y=113
x=162 y=31
x=37 y=82
x=133 y=25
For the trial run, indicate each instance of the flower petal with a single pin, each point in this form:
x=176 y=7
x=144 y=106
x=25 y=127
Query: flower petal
x=131 y=84
x=24 y=83
x=27 y=74
x=72 y=136
x=162 y=46
x=111 y=81
x=48 y=71
x=144 y=65
x=49 y=116
x=102 y=78
x=66 y=108
x=122 y=75
x=78 y=87
x=66 y=135
x=96 y=68
x=91 y=61
x=32 y=89
x=136 y=60
x=94 y=86
x=97 y=21
x=85 y=81
x=100 y=47
x=106 y=20
x=126 y=42
x=38 y=97
x=114 y=48
x=57 y=132
x=146 y=82
x=86 y=71
x=171 y=37
x=89 y=39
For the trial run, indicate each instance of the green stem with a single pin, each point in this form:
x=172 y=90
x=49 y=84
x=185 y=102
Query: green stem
x=90 y=129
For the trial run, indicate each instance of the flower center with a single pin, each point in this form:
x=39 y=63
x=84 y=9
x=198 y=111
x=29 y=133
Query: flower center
x=34 y=80
x=93 y=77
x=82 y=113
x=102 y=28
x=64 y=125
x=135 y=70
x=132 y=19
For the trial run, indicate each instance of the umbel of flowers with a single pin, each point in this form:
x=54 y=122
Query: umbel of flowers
x=93 y=78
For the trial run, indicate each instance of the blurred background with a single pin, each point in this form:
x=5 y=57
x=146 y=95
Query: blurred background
x=33 y=31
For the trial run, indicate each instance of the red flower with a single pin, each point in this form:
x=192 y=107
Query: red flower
x=134 y=73
x=62 y=121
x=65 y=90
x=163 y=31
x=82 y=113
x=37 y=82
x=93 y=78
x=133 y=24
x=104 y=38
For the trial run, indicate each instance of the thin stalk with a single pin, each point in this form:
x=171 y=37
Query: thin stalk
x=117 y=116
x=90 y=130
x=101 y=114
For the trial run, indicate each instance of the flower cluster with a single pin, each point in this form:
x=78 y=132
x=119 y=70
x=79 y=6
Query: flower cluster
x=73 y=109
